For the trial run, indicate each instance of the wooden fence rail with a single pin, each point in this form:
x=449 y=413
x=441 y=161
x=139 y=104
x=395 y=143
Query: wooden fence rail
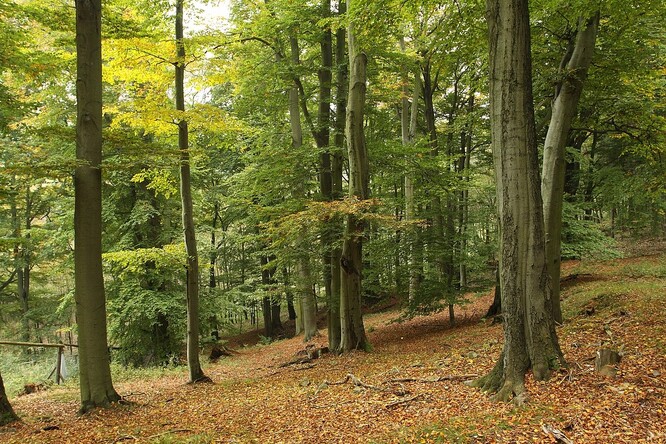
x=60 y=347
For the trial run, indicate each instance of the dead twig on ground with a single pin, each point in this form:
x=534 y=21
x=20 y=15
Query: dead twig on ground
x=437 y=379
x=402 y=401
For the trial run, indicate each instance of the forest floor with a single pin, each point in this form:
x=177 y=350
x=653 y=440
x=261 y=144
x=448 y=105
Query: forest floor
x=409 y=388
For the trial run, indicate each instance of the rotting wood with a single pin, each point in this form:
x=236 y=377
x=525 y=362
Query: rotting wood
x=555 y=433
x=606 y=362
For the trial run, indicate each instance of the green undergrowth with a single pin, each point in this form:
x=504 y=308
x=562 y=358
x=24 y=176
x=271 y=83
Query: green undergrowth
x=615 y=286
x=20 y=369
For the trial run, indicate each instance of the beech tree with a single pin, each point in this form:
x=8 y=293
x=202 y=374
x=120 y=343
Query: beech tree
x=7 y=414
x=94 y=361
x=573 y=68
x=192 y=291
x=352 y=331
x=529 y=330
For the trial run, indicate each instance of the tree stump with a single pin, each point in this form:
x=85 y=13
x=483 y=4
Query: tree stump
x=606 y=362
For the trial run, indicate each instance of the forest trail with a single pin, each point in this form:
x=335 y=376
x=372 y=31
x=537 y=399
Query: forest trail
x=407 y=388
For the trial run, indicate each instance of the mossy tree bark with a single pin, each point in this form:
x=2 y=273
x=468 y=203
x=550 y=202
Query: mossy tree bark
x=94 y=369
x=7 y=414
x=529 y=329
x=352 y=331
x=192 y=289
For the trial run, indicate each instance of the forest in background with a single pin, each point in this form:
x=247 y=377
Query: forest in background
x=265 y=100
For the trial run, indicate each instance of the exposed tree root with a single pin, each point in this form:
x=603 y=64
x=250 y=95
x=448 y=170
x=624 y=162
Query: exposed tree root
x=202 y=380
x=491 y=382
x=437 y=379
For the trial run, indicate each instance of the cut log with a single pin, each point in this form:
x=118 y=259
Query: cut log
x=607 y=361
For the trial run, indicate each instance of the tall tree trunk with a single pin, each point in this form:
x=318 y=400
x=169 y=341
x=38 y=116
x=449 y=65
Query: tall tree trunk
x=463 y=211
x=529 y=329
x=193 y=363
x=335 y=225
x=266 y=282
x=305 y=294
x=588 y=198
x=554 y=163
x=352 y=331
x=94 y=369
x=21 y=260
x=7 y=414
x=409 y=119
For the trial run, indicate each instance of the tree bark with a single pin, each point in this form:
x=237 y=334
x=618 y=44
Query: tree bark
x=7 y=414
x=409 y=117
x=194 y=365
x=352 y=331
x=335 y=225
x=305 y=295
x=94 y=369
x=554 y=163
x=529 y=329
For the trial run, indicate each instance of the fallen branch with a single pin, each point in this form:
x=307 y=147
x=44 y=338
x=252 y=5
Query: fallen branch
x=402 y=401
x=437 y=379
x=357 y=382
x=557 y=434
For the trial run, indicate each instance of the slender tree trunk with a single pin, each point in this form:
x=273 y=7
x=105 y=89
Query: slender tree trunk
x=266 y=304
x=409 y=117
x=212 y=281
x=529 y=329
x=554 y=162
x=305 y=294
x=351 y=319
x=335 y=225
x=7 y=414
x=21 y=261
x=193 y=363
x=94 y=369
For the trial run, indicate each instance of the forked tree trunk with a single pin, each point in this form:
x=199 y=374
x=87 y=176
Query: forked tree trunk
x=352 y=331
x=574 y=69
x=335 y=225
x=193 y=363
x=7 y=414
x=94 y=369
x=529 y=329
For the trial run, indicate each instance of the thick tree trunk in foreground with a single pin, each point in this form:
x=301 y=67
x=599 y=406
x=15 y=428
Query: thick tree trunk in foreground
x=529 y=329
x=554 y=163
x=7 y=414
x=351 y=319
x=94 y=369
x=193 y=363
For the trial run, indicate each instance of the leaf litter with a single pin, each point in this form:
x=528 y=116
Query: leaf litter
x=408 y=389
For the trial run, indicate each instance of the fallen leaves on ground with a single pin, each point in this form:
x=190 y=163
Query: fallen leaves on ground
x=408 y=389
